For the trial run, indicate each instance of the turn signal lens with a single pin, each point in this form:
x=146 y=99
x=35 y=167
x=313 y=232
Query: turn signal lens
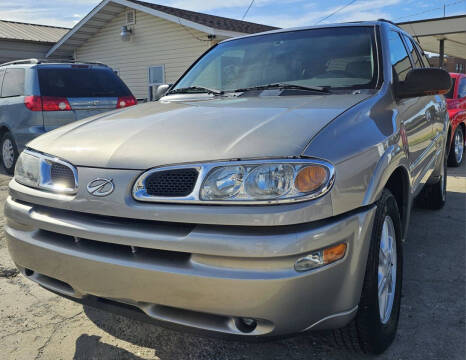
x=334 y=253
x=310 y=178
x=321 y=257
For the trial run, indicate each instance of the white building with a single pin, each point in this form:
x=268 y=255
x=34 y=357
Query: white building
x=161 y=42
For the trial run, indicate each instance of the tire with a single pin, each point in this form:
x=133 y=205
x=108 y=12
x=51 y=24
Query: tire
x=434 y=196
x=9 y=153
x=455 y=158
x=370 y=331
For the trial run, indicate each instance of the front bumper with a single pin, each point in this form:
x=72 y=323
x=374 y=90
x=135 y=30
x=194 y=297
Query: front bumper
x=199 y=276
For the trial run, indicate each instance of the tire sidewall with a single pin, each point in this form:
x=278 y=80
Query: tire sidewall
x=15 y=151
x=381 y=335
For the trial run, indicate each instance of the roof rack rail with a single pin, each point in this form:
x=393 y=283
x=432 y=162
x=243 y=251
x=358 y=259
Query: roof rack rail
x=51 y=61
x=388 y=21
x=24 y=61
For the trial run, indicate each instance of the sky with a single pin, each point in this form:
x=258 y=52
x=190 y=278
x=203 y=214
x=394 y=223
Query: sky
x=280 y=13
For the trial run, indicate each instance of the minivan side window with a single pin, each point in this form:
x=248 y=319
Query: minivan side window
x=398 y=56
x=13 y=83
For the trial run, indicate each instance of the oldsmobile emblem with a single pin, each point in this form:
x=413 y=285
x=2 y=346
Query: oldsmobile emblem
x=100 y=187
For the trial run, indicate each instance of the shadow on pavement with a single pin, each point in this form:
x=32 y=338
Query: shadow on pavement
x=171 y=344
x=90 y=347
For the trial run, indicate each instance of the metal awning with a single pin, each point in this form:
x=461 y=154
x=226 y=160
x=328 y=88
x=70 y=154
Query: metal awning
x=432 y=33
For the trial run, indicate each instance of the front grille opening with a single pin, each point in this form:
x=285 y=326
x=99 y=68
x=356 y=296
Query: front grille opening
x=171 y=183
x=62 y=175
x=116 y=251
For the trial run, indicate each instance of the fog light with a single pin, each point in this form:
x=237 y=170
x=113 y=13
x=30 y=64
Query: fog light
x=321 y=257
x=246 y=325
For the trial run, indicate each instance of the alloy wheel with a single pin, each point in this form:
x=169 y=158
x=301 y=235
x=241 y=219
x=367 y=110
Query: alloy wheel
x=8 y=153
x=459 y=146
x=387 y=270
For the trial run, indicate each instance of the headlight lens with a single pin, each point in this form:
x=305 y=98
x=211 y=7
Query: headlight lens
x=46 y=172
x=223 y=183
x=27 y=170
x=267 y=182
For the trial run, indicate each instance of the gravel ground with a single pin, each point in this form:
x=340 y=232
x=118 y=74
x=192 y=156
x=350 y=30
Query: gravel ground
x=37 y=324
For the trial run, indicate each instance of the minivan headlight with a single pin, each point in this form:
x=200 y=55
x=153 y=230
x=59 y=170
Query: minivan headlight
x=46 y=172
x=248 y=182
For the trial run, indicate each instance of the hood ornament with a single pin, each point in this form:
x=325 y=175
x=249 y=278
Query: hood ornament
x=100 y=187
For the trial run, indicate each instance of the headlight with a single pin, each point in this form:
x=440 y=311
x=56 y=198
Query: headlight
x=46 y=172
x=27 y=170
x=241 y=182
x=267 y=182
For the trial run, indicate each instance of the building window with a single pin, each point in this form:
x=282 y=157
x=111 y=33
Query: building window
x=156 y=75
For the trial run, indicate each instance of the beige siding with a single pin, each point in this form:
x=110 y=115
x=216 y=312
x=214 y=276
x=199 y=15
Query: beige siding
x=155 y=41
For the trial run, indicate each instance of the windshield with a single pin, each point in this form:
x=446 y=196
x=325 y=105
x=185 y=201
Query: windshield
x=342 y=57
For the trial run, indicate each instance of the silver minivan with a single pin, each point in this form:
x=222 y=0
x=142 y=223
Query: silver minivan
x=37 y=96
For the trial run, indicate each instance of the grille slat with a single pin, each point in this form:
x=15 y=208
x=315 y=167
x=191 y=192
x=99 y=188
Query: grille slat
x=171 y=183
x=63 y=175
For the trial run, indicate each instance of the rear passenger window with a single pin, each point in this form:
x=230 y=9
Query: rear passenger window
x=13 y=83
x=398 y=56
x=414 y=55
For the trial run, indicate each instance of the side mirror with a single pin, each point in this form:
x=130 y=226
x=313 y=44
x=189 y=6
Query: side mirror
x=161 y=90
x=422 y=82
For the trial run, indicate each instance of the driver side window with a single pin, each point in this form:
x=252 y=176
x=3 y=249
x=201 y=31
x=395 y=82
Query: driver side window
x=398 y=56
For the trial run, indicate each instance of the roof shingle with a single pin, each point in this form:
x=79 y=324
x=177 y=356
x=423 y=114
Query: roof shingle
x=216 y=22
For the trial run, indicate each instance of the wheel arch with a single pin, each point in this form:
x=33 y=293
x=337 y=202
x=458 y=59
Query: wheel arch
x=392 y=173
x=3 y=130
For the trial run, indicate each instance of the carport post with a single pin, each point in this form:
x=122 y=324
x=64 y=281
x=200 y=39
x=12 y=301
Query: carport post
x=441 y=52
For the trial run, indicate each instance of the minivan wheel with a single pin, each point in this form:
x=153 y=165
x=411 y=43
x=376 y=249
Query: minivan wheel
x=455 y=157
x=9 y=153
x=374 y=327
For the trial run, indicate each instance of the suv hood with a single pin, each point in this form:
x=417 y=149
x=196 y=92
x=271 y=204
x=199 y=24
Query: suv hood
x=162 y=133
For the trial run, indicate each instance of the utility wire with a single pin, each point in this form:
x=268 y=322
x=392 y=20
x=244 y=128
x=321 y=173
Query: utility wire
x=249 y=7
x=337 y=10
x=433 y=9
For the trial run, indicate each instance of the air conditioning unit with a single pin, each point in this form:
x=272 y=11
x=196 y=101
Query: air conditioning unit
x=130 y=17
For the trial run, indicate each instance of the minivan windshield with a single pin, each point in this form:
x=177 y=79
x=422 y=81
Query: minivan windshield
x=340 y=57
x=78 y=82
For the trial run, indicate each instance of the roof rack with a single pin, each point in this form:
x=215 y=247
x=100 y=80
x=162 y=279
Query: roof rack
x=51 y=61
x=388 y=21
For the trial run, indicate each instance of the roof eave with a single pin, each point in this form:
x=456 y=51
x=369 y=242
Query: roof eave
x=206 y=29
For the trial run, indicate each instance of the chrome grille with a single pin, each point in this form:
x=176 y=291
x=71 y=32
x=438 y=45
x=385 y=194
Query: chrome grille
x=62 y=175
x=172 y=183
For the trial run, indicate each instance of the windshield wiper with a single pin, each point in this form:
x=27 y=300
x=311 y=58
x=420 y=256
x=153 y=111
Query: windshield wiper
x=319 y=89
x=196 y=90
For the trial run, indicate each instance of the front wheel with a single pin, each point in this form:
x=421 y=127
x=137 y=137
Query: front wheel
x=9 y=153
x=455 y=157
x=376 y=322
